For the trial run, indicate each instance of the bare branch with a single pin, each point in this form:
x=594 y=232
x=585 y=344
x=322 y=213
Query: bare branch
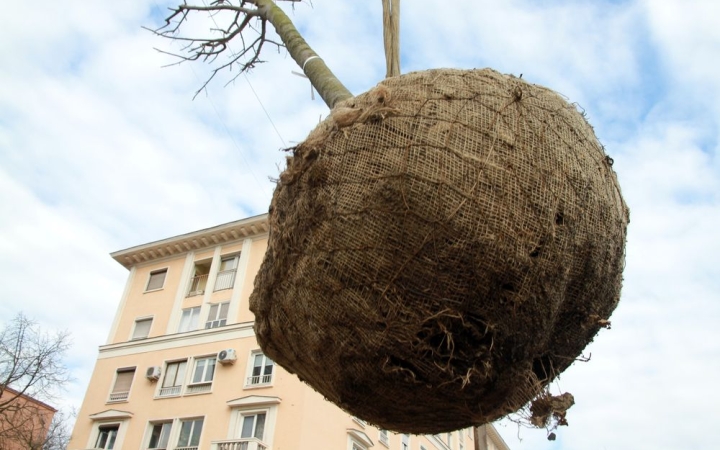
x=243 y=18
x=31 y=372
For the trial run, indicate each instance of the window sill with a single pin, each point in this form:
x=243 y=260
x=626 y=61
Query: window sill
x=154 y=290
x=258 y=386
x=198 y=389
x=160 y=397
x=117 y=401
x=193 y=394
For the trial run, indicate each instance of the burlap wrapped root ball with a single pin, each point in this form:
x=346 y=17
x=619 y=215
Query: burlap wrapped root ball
x=441 y=247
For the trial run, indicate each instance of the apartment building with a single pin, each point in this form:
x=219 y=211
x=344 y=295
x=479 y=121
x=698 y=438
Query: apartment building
x=24 y=421
x=182 y=370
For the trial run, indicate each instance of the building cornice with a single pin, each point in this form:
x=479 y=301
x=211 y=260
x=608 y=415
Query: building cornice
x=496 y=438
x=13 y=393
x=197 y=240
x=170 y=341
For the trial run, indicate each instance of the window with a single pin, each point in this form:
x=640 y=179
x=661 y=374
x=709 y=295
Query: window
x=226 y=275
x=202 y=375
x=198 y=283
x=449 y=440
x=262 y=370
x=106 y=436
x=160 y=435
x=173 y=380
x=156 y=280
x=422 y=447
x=405 y=442
x=189 y=320
x=142 y=328
x=218 y=315
x=383 y=437
x=354 y=445
x=123 y=381
x=190 y=431
x=253 y=426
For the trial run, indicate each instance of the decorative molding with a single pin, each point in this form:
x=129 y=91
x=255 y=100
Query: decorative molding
x=254 y=400
x=256 y=226
x=111 y=414
x=361 y=437
x=178 y=340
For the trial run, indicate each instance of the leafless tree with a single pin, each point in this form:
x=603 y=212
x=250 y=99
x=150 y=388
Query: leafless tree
x=31 y=372
x=245 y=22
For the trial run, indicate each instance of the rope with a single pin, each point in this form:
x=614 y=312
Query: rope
x=391 y=37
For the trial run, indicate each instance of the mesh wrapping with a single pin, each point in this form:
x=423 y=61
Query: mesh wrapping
x=441 y=247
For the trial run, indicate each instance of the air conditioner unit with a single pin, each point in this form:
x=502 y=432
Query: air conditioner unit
x=227 y=356
x=153 y=373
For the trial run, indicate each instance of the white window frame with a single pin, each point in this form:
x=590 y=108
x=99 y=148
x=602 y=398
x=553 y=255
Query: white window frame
x=95 y=433
x=253 y=431
x=169 y=437
x=176 y=389
x=115 y=397
x=221 y=273
x=204 y=385
x=217 y=320
x=405 y=442
x=383 y=437
x=239 y=413
x=114 y=426
x=262 y=379
x=354 y=444
x=194 y=313
x=192 y=430
x=165 y=270
x=135 y=327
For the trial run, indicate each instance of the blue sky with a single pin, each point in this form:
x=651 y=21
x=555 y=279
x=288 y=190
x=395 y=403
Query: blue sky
x=101 y=149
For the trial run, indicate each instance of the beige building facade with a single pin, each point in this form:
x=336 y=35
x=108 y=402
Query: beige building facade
x=182 y=370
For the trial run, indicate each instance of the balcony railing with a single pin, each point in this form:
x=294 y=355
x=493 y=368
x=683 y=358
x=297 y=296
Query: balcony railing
x=225 y=279
x=197 y=388
x=187 y=448
x=239 y=444
x=119 y=396
x=197 y=285
x=168 y=391
x=259 y=379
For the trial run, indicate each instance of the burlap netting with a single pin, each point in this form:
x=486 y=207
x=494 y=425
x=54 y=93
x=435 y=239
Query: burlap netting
x=441 y=247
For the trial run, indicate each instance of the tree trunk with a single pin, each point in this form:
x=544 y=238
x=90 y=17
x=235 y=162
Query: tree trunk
x=323 y=80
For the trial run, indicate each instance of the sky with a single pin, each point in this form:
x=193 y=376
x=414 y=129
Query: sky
x=103 y=148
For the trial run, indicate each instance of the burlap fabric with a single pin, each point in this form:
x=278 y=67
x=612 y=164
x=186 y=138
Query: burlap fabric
x=441 y=248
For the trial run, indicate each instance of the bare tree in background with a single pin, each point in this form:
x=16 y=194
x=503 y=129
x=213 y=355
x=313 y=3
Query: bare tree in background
x=31 y=373
x=245 y=23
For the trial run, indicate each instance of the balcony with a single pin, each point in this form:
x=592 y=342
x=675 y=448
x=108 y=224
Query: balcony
x=239 y=444
x=187 y=448
x=119 y=396
x=197 y=285
x=225 y=279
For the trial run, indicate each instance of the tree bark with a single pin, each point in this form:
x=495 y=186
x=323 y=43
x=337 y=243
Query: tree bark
x=323 y=80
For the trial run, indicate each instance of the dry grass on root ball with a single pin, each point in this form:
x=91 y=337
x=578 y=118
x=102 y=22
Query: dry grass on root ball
x=441 y=247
